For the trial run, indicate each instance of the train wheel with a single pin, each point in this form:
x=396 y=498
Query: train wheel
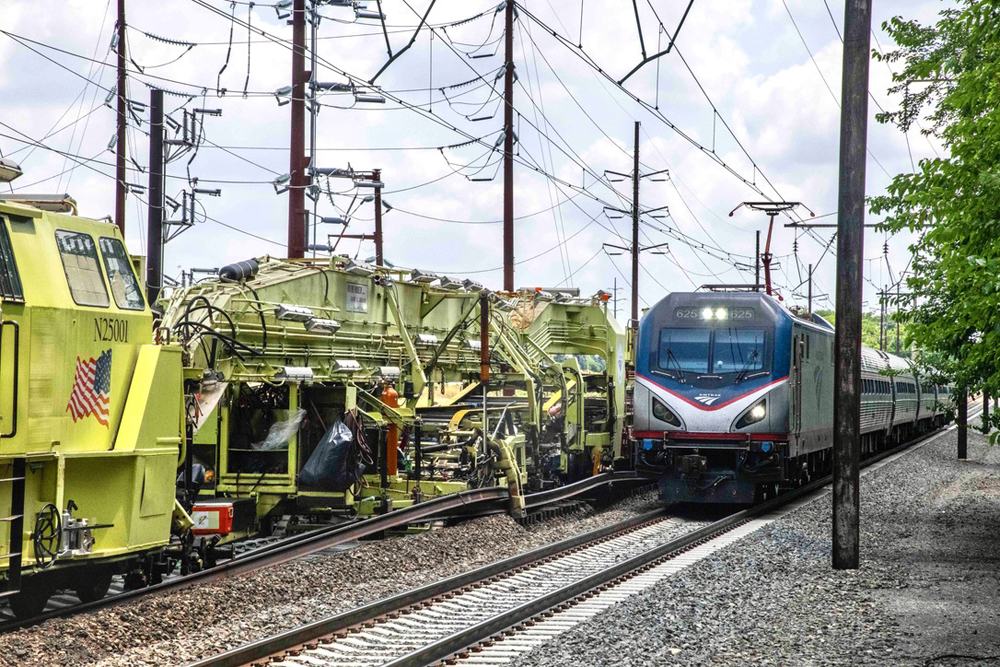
x=94 y=586
x=30 y=602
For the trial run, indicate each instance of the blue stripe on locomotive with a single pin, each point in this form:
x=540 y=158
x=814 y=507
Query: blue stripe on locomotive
x=768 y=315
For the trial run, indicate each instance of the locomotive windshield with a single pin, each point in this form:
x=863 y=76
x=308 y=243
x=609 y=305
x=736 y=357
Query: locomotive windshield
x=715 y=352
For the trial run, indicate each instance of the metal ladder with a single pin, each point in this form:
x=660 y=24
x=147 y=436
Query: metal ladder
x=15 y=523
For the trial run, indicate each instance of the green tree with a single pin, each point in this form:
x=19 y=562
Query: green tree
x=869 y=330
x=948 y=80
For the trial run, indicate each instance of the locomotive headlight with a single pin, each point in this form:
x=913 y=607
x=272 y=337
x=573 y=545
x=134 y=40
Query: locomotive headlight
x=706 y=314
x=721 y=314
x=664 y=414
x=753 y=415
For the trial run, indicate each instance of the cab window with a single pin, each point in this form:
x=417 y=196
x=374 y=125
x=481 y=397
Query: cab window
x=124 y=286
x=83 y=273
x=10 y=280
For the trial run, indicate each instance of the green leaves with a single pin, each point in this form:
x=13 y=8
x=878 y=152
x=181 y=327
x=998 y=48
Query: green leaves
x=950 y=82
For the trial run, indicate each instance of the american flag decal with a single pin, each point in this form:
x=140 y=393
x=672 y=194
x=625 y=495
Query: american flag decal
x=91 y=388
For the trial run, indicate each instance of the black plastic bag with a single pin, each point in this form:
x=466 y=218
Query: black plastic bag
x=331 y=465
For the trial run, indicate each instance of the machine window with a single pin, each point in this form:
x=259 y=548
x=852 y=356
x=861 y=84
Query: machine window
x=685 y=350
x=83 y=273
x=124 y=286
x=739 y=350
x=10 y=280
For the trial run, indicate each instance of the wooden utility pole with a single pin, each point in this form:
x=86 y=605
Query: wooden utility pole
x=850 y=258
x=635 y=232
x=986 y=412
x=120 y=155
x=508 y=149
x=297 y=159
x=963 y=425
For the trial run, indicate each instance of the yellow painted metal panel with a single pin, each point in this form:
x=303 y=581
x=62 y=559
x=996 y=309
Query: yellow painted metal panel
x=157 y=493
x=155 y=400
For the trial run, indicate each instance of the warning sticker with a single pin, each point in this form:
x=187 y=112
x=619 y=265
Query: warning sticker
x=357 y=297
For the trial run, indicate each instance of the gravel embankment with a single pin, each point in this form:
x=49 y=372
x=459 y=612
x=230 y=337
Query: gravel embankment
x=926 y=593
x=177 y=628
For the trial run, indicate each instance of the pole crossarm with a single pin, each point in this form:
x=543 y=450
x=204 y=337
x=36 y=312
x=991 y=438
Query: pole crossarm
x=831 y=225
x=656 y=173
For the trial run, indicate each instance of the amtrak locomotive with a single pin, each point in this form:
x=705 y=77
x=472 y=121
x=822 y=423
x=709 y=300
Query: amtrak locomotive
x=734 y=397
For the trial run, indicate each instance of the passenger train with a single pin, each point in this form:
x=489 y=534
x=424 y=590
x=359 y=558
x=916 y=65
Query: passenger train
x=734 y=397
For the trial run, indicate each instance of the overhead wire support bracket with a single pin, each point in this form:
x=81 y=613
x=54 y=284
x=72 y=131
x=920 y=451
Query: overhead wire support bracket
x=648 y=59
x=413 y=38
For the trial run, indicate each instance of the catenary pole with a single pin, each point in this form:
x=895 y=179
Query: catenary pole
x=154 y=216
x=377 y=176
x=508 y=149
x=615 y=290
x=850 y=249
x=635 y=232
x=296 y=162
x=756 y=282
x=897 y=317
x=881 y=319
x=810 y=291
x=120 y=155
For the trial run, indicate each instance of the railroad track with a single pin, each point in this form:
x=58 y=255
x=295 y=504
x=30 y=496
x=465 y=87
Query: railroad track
x=491 y=615
x=269 y=551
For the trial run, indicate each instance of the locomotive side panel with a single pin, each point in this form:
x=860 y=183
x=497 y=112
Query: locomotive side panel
x=71 y=343
x=811 y=390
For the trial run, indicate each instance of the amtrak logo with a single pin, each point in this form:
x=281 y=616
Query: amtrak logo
x=707 y=399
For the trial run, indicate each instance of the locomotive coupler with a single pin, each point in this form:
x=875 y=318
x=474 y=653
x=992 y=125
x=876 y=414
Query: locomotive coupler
x=692 y=465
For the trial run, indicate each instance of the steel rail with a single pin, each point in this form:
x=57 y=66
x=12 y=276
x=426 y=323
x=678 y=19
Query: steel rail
x=582 y=487
x=450 y=645
x=295 y=547
x=474 y=502
x=447 y=647
x=342 y=621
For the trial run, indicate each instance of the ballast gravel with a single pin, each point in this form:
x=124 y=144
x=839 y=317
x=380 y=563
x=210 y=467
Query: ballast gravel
x=927 y=592
x=184 y=626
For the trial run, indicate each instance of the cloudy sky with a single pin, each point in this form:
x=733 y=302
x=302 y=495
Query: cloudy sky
x=746 y=104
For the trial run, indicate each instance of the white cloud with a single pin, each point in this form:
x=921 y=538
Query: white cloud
x=752 y=66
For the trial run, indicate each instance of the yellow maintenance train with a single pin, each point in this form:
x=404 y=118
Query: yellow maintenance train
x=90 y=429
x=132 y=441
